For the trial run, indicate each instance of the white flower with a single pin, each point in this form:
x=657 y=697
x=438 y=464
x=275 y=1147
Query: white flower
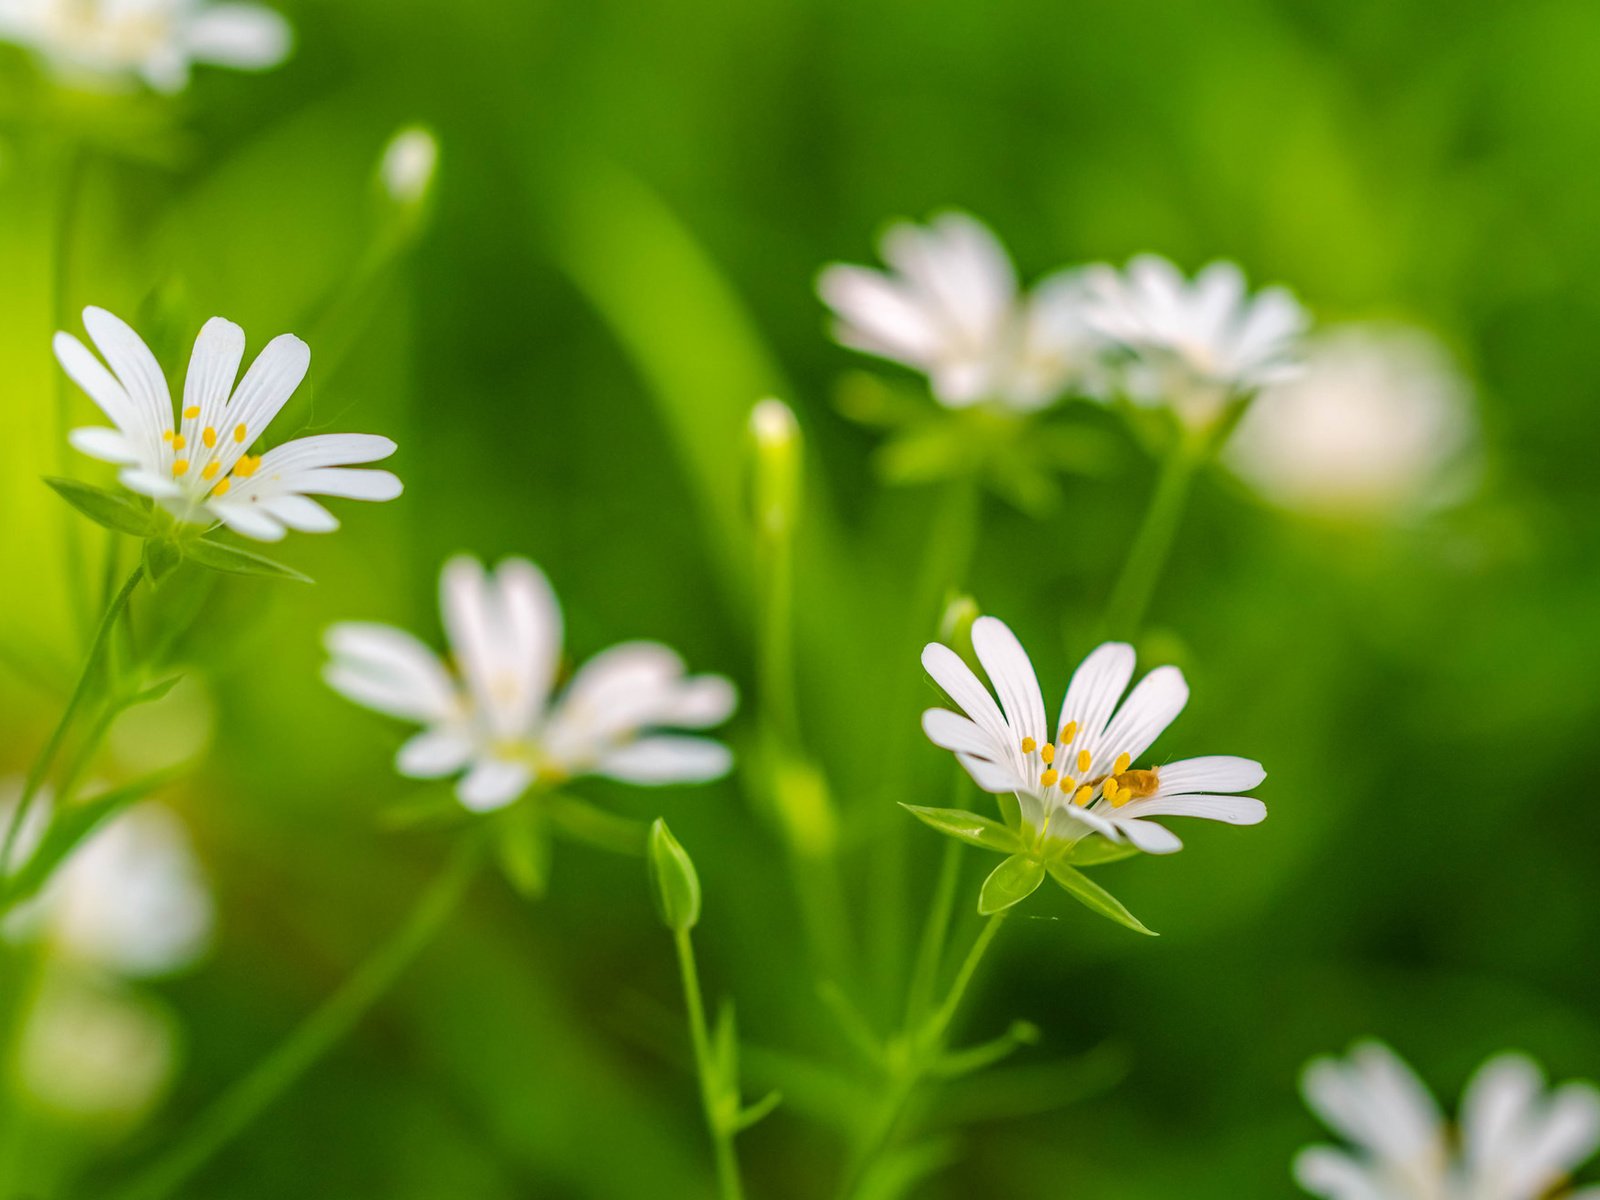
x=1516 y=1142
x=950 y=307
x=1081 y=779
x=108 y=42
x=1197 y=344
x=1375 y=422
x=196 y=461
x=130 y=900
x=408 y=164
x=499 y=720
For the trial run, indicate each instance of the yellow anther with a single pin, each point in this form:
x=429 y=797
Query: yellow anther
x=179 y=441
x=1068 y=784
x=239 y=433
x=1048 y=753
x=1121 y=764
x=180 y=466
x=246 y=466
x=222 y=488
x=167 y=435
x=1029 y=745
x=209 y=471
x=1049 y=778
x=208 y=435
x=1068 y=732
x=1083 y=795
x=1110 y=790
x=191 y=412
x=1084 y=762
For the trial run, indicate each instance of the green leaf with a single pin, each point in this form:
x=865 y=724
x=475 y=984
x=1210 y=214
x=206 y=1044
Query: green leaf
x=1091 y=895
x=1096 y=851
x=67 y=830
x=968 y=827
x=674 y=883
x=522 y=846
x=1010 y=883
x=115 y=509
x=160 y=559
x=755 y=1112
x=220 y=557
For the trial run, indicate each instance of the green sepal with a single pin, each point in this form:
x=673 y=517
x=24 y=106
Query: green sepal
x=968 y=827
x=234 y=561
x=674 y=883
x=161 y=559
x=753 y=1113
x=1096 y=851
x=113 y=508
x=67 y=830
x=1094 y=897
x=1012 y=882
x=156 y=691
x=522 y=847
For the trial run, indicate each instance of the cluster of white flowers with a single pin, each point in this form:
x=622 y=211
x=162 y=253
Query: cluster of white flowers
x=1514 y=1140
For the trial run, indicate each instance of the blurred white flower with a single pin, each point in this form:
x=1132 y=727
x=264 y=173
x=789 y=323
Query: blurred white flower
x=1081 y=780
x=1515 y=1141
x=195 y=462
x=92 y=1051
x=110 y=42
x=950 y=308
x=129 y=901
x=1375 y=422
x=500 y=719
x=408 y=164
x=1194 y=345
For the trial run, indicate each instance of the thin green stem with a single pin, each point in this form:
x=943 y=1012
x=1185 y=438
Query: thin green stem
x=719 y=1112
x=80 y=692
x=282 y=1067
x=930 y=952
x=1130 y=597
x=779 y=698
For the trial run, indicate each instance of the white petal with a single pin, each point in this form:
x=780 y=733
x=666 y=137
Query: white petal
x=300 y=513
x=148 y=483
x=1148 y=836
x=106 y=444
x=951 y=731
x=1096 y=686
x=246 y=520
x=267 y=385
x=1146 y=713
x=101 y=386
x=244 y=36
x=432 y=753
x=961 y=685
x=1234 y=810
x=699 y=702
x=389 y=670
x=1011 y=672
x=492 y=784
x=346 y=484
x=136 y=369
x=326 y=450
x=665 y=759
x=1212 y=773
x=1334 y=1175
x=213 y=366
x=995 y=777
x=879 y=316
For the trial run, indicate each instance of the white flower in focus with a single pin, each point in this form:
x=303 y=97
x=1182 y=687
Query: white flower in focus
x=408 y=164
x=130 y=901
x=1078 y=776
x=108 y=42
x=1195 y=344
x=195 y=461
x=1375 y=422
x=950 y=308
x=499 y=719
x=1516 y=1141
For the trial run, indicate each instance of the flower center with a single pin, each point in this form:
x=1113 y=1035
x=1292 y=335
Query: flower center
x=209 y=462
x=1118 y=786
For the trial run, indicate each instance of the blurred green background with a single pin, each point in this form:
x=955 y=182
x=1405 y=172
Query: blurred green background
x=631 y=206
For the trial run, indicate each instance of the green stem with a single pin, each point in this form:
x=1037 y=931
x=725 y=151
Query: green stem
x=1130 y=597
x=252 y=1095
x=718 y=1113
x=930 y=953
x=47 y=756
x=779 y=700
x=921 y=1049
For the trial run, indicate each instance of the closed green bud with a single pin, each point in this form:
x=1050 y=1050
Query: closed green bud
x=776 y=486
x=673 y=882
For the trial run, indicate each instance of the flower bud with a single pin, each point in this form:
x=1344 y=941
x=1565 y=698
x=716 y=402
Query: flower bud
x=776 y=491
x=674 y=885
x=408 y=165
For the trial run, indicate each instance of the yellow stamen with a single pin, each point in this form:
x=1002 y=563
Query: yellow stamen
x=167 y=435
x=1110 y=790
x=1068 y=732
x=1121 y=764
x=1048 y=753
x=1068 y=784
x=1083 y=795
x=239 y=433
x=246 y=466
x=222 y=488
x=1049 y=778
x=191 y=412
x=1084 y=762
x=208 y=435
x=1029 y=745
x=180 y=467
x=209 y=471
x=179 y=441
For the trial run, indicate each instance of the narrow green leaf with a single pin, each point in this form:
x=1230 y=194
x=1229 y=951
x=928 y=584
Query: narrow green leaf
x=67 y=830
x=522 y=846
x=757 y=1111
x=967 y=826
x=1096 y=851
x=220 y=557
x=674 y=883
x=1091 y=895
x=115 y=509
x=1010 y=883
